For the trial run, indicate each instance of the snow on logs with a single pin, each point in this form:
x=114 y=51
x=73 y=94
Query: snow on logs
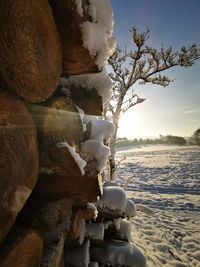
x=117 y=253
x=18 y=159
x=76 y=59
x=85 y=29
x=30 y=57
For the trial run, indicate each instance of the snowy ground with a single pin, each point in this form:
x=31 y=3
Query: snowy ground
x=167 y=179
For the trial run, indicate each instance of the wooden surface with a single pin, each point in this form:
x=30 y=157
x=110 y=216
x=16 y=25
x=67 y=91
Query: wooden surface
x=18 y=159
x=30 y=50
x=76 y=58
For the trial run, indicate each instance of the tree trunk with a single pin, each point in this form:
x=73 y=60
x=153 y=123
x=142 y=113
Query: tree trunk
x=18 y=159
x=112 y=150
x=30 y=50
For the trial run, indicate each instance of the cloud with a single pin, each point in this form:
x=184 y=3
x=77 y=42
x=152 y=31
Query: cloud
x=191 y=111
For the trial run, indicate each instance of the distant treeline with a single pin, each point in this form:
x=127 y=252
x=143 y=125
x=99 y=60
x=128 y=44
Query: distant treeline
x=168 y=140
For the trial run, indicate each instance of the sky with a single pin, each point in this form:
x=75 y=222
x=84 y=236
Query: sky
x=174 y=109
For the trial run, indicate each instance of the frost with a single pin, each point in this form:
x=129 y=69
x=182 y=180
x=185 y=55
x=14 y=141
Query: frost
x=118 y=253
x=114 y=198
x=95 y=231
x=92 y=149
x=79 y=161
x=78 y=256
x=130 y=209
x=100 y=81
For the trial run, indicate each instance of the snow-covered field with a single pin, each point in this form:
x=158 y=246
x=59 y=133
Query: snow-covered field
x=167 y=179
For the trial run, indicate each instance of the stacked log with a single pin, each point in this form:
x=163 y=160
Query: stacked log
x=46 y=179
x=53 y=150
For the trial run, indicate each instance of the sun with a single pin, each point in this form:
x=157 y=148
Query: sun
x=131 y=124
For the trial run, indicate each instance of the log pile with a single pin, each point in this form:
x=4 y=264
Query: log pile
x=52 y=143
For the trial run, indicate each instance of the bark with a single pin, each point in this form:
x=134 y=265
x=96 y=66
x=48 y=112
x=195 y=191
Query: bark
x=112 y=149
x=30 y=50
x=76 y=58
x=18 y=159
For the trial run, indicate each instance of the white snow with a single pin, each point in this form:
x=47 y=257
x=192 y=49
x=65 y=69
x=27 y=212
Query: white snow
x=117 y=223
x=97 y=35
x=165 y=179
x=92 y=149
x=124 y=231
x=95 y=231
x=113 y=198
x=145 y=209
x=100 y=81
x=79 y=161
x=130 y=209
x=98 y=42
x=110 y=183
x=91 y=206
x=79 y=7
x=101 y=129
x=118 y=253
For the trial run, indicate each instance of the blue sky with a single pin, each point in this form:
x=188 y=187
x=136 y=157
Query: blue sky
x=174 y=109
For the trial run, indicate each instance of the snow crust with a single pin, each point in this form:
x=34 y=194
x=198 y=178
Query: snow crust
x=113 y=198
x=118 y=253
x=100 y=81
x=95 y=231
x=79 y=161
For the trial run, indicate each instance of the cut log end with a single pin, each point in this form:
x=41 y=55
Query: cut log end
x=18 y=158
